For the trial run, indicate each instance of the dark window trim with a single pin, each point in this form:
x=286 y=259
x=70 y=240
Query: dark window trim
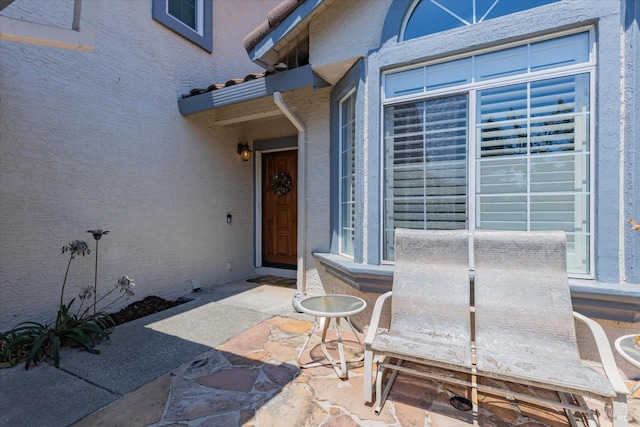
x=159 y=13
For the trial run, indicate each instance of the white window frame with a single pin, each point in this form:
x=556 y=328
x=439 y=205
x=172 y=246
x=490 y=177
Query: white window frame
x=199 y=17
x=471 y=89
x=341 y=195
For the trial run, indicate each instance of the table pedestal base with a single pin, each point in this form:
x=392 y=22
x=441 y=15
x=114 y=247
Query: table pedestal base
x=341 y=369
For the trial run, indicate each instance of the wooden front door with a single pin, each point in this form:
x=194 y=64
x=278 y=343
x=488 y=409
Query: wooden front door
x=280 y=209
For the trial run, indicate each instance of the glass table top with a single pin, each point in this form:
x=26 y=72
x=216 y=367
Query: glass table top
x=333 y=305
x=629 y=347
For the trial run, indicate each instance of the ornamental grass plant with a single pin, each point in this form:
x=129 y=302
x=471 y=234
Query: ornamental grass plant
x=33 y=342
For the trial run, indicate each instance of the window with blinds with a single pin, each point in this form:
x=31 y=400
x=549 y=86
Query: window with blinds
x=500 y=141
x=532 y=161
x=426 y=166
x=347 y=174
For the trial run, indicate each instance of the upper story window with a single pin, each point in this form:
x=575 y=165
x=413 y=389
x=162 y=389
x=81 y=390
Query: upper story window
x=433 y=16
x=192 y=19
x=186 y=11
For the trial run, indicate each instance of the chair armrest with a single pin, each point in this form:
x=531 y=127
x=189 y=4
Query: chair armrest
x=606 y=355
x=375 y=318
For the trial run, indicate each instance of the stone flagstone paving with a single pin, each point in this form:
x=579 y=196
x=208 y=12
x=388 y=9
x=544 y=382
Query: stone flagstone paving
x=252 y=380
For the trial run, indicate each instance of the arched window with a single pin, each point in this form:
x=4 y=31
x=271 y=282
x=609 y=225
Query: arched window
x=432 y=16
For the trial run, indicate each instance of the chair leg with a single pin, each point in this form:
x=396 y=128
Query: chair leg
x=368 y=373
x=379 y=397
x=382 y=395
x=620 y=411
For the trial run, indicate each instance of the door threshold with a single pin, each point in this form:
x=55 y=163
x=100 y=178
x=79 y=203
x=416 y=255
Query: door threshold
x=273 y=271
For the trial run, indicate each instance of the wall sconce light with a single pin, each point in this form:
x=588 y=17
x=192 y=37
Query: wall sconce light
x=244 y=151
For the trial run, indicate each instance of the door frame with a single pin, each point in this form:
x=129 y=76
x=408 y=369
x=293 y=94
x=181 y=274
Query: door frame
x=258 y=199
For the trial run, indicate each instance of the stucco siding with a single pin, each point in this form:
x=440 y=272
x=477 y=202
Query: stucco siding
x=318 y=192
x=615 y=117
x=609 y=186
x=348 y=30
x=631 y=133
x=95 y=140
x=59 y=13
x=312 y=108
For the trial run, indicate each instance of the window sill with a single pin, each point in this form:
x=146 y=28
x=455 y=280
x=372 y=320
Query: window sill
x=363 y=277
x=612 y=301
x=609 y=301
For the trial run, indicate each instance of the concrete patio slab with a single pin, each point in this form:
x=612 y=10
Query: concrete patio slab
x=47 y=396
x=228 y=358
x=146 y=348
x=242 y=383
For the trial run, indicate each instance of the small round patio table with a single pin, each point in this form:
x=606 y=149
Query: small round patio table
x=325 y=308
x=629 y=348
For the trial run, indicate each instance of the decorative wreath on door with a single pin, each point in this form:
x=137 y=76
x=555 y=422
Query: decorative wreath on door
x=281 y=183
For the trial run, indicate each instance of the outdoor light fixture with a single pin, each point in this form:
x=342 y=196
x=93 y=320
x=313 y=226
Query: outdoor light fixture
x=244 y=151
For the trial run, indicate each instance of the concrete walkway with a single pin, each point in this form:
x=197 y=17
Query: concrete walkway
x=228 y=358
x=139 y=352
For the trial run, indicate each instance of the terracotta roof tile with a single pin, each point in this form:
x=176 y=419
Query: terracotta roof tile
x=274 y=17
x=230 y=82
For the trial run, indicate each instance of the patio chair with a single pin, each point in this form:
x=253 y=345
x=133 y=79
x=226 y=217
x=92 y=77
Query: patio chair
x=524 y=322
x=430 y=315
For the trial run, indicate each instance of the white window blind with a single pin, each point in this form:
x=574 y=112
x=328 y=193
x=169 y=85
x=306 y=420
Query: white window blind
x=532 y=160
x=425 y=166
x=526 y=132
x=347 y=175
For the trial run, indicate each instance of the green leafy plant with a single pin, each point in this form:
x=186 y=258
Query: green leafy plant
x=32 y=342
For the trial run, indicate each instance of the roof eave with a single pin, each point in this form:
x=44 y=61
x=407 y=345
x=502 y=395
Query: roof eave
x=284 y=81
x=265 y=51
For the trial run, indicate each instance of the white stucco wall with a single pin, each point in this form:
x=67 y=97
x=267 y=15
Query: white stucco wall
x=95 y=140
x=311 y=107
x=314 y=112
